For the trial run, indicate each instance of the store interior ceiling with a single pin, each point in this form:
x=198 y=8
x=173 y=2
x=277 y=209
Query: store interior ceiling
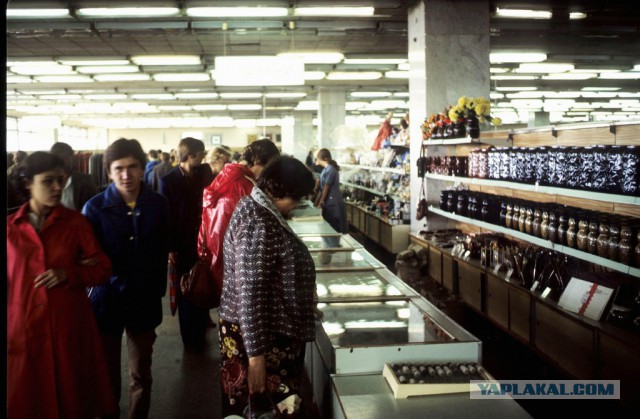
x=83 y=67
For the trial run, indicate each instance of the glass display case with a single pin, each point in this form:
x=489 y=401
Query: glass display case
x=335 y=261
x=356 y=286
x=311 y=227
x=329 y=242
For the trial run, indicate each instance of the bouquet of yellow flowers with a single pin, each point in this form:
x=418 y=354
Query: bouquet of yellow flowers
x=470 y=107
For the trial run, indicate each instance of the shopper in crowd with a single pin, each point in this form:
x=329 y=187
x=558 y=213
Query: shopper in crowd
x=221 y=197
x=130 y=221
x=217 y=158
x=174 y=157
x=329 y=198
x=15 y=199
x=267 y=305
x=182 y=187
x=79 y=187
x=9 y=159
x=55 y=361
x=160 y=170
x=18 y=157
x=154 y=160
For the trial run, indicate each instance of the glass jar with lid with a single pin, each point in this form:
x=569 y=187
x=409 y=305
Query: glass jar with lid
x=528 y=221
x=523 y=217
x=562 y=228
x=509 y=215
x=624 y=247
x=614 y=241
x=572 y=230
x=535 y=223
x=552 y=228
x=544 y=224
x=603 y=239
x=592 y=237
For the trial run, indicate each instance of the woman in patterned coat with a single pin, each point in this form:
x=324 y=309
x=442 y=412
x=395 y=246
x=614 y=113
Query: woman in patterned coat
x=267 y=304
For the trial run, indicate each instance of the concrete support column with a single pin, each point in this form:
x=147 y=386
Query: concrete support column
x=331 y=115
x=538 y=119
x=299 y=137
x=449 y=58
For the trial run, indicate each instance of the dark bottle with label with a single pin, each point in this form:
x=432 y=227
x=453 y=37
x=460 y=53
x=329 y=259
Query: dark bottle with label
x=572 y=230
x=631 y=171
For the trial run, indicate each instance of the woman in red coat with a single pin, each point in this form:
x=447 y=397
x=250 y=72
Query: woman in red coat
x=55 y=362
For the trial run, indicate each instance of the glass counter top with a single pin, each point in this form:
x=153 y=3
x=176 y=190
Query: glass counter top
x=311 y=227
x=324 y=242
x=350 y=285
x=344 y=261
x=375 y=323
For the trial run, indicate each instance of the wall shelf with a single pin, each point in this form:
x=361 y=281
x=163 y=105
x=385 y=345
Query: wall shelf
x=498 y=142
x=597 y=196
x=374 y=168
x=541 y=242
x=373 y=191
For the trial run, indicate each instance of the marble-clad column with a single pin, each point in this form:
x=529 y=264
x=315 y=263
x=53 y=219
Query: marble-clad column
x=330 y=116
x=449 y=58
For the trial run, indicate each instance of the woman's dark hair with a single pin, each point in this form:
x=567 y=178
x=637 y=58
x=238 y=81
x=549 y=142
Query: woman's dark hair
x=122 y=148
x=259 y=152
x=35 y=163
x=325 y=155
x=286 y=177
x=189 y=146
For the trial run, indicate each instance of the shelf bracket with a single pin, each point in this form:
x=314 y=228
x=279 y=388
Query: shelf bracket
x=554 y=132
x=612 y=129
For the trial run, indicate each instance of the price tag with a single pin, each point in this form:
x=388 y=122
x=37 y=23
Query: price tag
x=534 y=286
x=497 y=268
x=545 y=292
x=508 y=275
x=467 y=254
x=536 y=186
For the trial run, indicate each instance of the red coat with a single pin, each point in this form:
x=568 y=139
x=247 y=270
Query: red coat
x=56 y=366
x=218 y=202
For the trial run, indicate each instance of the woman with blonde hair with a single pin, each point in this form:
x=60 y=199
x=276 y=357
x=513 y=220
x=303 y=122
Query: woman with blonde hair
x=217 y=157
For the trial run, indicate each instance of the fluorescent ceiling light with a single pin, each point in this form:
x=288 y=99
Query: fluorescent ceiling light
x=285 y=95
x=111 y=96
x=334 y=11
x=494 y=95
x=64 y=79
x=268 y=122
x=401 y=94
x=603 y=89
x=128 y=11
x=523 y=13
x=375 y=61
x=19 y=79
x=220 y=121
x=404 y=67
x=209 y=107
x=48 y=13
x=94 y=61
x=396 y=74
x=237 y=11
x=42 y=92
x=388 y=104
x=544 y=68
x=563 y=95
x=570 y=76
x=244 y=107
x=354 y=75
x=64 y=97
x=308 y=105
x=240 y=95
x=517 y=57
x=314 y=75
x=593 y=70
x=175 y=108
x=507 y=77
x=515 y=89
x=635 y=68
x=122 y=77
x=577 y=15
x=620 y=75
x=370 y=94
x=499 y=69
x=97 y=69
x=196 y=96
x=315 y=57
x=181 y=77
x=43 y=69
x=166 y=59
x=36 y=62
x=153 y=96
x=598 y=94
x=258 y=71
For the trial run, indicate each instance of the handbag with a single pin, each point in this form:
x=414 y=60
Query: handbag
x=198 y=285
x=423 y=206
x=258 y=408
x=422 y=163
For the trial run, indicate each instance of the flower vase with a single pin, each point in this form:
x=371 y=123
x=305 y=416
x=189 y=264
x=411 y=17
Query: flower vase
x=473 y=126
x=459 y=129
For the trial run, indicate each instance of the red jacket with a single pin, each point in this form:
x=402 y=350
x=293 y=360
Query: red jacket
x=56 y=366
x=218 y=202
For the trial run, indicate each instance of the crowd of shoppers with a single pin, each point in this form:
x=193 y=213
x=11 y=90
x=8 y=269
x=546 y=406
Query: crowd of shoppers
x=79 y=281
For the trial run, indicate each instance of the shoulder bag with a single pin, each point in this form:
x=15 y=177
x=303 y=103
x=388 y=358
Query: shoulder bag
x=198 y=285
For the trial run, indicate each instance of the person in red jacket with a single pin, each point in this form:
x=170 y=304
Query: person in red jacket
x=222 y=195
x=56 y=367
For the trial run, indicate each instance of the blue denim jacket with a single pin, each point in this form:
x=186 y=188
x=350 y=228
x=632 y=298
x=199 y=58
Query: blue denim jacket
x=137 y=243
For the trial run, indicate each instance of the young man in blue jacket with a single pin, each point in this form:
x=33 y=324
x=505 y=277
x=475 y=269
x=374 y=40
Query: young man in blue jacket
x=130 y=221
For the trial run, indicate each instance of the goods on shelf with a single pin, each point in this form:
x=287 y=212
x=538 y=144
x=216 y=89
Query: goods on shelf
x=459 y=120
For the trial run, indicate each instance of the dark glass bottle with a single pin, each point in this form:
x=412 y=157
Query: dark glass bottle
x=562 y=228
x=522 y=217
x=503 y=213
x=528 y=221
x=552 y=229
x=572 y=231
x=592 y=237
x=583 y=233
x=509 y=215
x=530 y=165
x=494 y=163
x=513 y=164
x=631 y=171
x=544 y=224
x=614 y=241
x=541 y=166
x=586 y=162
x=535 y=223
x=504 y=163
x=461 y=207
x=561 y=167
x=624 y=248
x=603 y=239
x=600 y=168
x=613 y=182
x=572 y=172
x=552 y=155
